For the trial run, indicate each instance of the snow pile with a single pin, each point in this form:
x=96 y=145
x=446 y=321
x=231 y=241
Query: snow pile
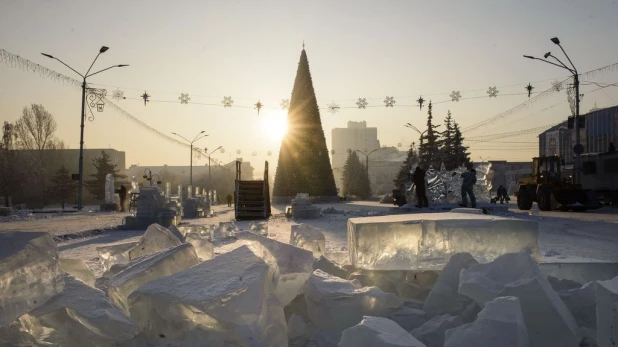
x=377 y=332
x=78 y=269
x=225 y=300
x=500 y=323
x=148 y=269
x=309 y=238
x=29 y=273
x=607 y=312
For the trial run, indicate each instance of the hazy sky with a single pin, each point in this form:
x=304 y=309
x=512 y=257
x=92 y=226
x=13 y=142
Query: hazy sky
x=250 y=49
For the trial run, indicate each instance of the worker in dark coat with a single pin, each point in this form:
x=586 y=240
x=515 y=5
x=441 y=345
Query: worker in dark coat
x=467 y=188
x=611 y=148
x=418 y=178
x=503 y=194
x=122 y=194
x=229 y=200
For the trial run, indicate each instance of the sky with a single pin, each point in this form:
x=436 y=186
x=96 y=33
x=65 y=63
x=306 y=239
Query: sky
x=249 y=50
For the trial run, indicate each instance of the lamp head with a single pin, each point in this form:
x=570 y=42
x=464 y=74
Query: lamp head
x=555 y=40
x=103 y=49
x=122 y=65
x=145 y=176
x=203 y=131
x=547 y=55
x=47 y=55
x=529 y=57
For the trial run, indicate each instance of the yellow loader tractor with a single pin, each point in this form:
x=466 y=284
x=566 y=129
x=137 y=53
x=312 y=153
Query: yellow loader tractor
x=550 y=191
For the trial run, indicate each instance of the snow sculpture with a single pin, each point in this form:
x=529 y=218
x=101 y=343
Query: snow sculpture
x=29 y=272
x=377 y=332
x=110 y=191
x=168 y=189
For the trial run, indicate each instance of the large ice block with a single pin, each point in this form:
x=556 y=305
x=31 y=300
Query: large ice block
x=582 y=302
x=548 y=320
x=377 y=332
x=500 y=323
x=433 y=331
x=292 y=265
x=224 y=299
x=204 y=248
x=307 y=237
x=443 y=297
x=335 y=304
x=148 y=269
x=331 y=268
x=428 y=240
x=607 y=312
x=115 y=254
x=78 y=269
x=156 y=239
x=80 y=316
x=29 y=272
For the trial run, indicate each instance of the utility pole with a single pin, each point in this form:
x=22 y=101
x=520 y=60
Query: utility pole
x=199 y=136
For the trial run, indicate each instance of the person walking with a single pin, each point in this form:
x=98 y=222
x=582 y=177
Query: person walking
x=229 y=200
x=122 y=194
x=418 y=178
x=467 y=188
x=502 y=194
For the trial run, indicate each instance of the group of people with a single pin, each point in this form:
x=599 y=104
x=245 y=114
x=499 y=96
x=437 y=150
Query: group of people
x=467 y=185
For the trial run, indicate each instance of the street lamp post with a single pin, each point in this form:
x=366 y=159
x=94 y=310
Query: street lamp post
x=197 y=137
x=578 y=148
x=83 y=116
x=208 y=155
x=367 y=158
x=409 y=125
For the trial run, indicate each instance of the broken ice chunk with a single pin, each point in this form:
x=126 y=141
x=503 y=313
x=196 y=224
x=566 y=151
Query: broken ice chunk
x=408 y=317
x=156 y=239
x=203 y=247
x=500 y=323
x=335 y=304
x=377 y=332
x=148 y=269
x=548 y=320
x=443 y=297
x=226 y=297
x=29 y=272
x=582 y=302
x=307 y=237
x=115 y=254
x=432 y=332
x=227 y=229
x=292 y=265
x=78 y=269
x=331 y=268
x=260 y=228
x=607 y=312
x=80 y=316
x=174 y=230
x=427 y=240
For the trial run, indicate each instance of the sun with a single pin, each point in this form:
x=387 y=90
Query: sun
x=275 y=124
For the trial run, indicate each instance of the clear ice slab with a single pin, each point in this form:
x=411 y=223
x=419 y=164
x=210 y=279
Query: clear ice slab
x=78 y=269
x=426 y=241
x=205 y=249
x=156 y=239
x=307 y=237
x=148 y=269
x=30 y=273
x=115 y=254
x=222 y=300
x=377 y=332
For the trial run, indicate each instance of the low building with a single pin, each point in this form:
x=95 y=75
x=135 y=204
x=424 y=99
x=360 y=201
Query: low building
x=508 y=174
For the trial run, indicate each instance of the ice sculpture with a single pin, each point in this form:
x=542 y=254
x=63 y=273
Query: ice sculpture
x=168 y=189
x=109 y=189
x=134 y=186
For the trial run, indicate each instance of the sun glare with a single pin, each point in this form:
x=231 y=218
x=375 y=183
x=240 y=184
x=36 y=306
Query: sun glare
x=274 y=124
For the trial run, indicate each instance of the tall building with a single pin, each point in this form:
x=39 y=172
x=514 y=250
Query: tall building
x=357 y=136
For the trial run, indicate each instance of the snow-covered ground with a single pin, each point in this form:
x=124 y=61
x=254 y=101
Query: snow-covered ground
x=564 y=236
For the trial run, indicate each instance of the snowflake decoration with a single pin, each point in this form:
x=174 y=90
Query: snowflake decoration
x=389 y=101
x=420 y=102
x=184 y=98
x=238 y=151
x=258 y=105
x=145 y=96
x=333 y=108
x=492 y=92
x=529 y=88
x=227 y=101
x=118 y=95
x=254 y=154
x=269 y=153
x=362 y=103
x=557 y=85
x=285 y=104
x=455 y=96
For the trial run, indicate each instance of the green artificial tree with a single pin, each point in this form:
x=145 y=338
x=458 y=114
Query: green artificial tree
x=96 y=186
x=448 y=155
x=404 y=172
x=304 y=164
x=462 y=157
x=63 y=187
x=355 y=177
x=429 y=150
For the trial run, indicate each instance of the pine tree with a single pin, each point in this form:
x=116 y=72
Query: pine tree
x=429 y=150
x=404 y=172
x=304 y=163
x=448 y=143
x=355 y=177
x=462 y=157
x=63 y=187
x=103 y=164
x=10 y=178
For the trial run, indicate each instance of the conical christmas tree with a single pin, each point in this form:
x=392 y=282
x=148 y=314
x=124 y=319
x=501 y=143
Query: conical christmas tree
x=304 y=164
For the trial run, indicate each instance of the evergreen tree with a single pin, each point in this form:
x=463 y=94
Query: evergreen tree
x=304 y=163
x=103 y=164
x=429 y=150
x=448 y=143
x=462 y=157
x=63 y=187
x=355 y=177
x=404 y=172
x=10 y=178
